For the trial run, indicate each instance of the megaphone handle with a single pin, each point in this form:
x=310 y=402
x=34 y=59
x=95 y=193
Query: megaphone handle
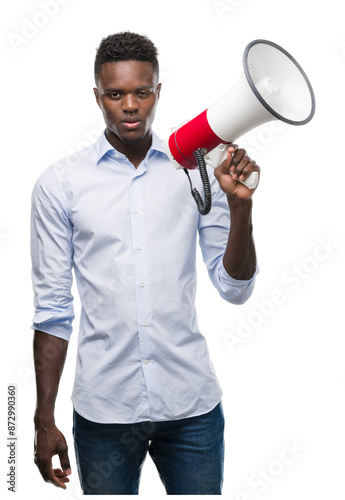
x=218 y=154
x=252 y=181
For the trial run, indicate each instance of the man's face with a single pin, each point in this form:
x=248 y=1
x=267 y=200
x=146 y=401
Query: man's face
x=127 y=93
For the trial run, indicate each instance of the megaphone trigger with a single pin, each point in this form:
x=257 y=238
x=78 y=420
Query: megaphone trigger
x=217 y=155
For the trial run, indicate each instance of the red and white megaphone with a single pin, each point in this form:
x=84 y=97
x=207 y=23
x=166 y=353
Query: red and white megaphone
x=272 y=87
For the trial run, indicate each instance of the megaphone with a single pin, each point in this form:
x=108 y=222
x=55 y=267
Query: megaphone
x=273 y=86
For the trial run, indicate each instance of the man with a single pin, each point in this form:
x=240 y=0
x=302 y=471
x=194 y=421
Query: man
x=123 y=217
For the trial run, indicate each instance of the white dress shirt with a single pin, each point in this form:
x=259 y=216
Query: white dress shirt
x=130 y=235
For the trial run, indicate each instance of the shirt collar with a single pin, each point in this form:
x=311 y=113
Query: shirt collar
x=103 y=146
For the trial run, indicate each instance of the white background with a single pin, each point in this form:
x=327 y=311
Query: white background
x=279 y=357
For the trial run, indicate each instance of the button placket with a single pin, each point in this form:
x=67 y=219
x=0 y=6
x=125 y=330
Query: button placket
x=140 y=269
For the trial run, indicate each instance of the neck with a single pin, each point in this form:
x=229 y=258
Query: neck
x=134 y=152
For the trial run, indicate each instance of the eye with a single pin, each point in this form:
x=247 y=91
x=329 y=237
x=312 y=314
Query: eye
x=114 y=95
x=144 y=93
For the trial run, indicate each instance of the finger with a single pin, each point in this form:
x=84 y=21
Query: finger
x=237 y=158
x=233 y=148
x=245 y=166
x=49 y=476
x=61 y=475
x=248 y=169
x=59 y=482
x=64 y=460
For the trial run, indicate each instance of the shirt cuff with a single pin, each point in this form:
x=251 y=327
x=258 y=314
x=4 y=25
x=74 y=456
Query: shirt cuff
x=232 y=281
x=233 y=290
x=57 y=330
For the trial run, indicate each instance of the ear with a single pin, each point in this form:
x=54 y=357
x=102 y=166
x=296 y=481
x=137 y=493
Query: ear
x=159 y=86
x=95 y=91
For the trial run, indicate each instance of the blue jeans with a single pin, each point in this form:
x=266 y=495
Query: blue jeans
x=188 y=454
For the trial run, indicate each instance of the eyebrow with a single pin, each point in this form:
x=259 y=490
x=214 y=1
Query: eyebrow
x=137 y=89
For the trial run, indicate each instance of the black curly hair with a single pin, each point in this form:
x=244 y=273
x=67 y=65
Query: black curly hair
x=125 y=46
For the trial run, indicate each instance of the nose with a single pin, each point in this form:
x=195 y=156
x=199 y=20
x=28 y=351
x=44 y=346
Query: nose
x=129 y=103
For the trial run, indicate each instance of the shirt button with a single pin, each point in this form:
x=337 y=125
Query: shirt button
x=136 y=211
x=140 y=247
x=145 y=323
x=117 y=155
x=146 y=361
x=142 y=284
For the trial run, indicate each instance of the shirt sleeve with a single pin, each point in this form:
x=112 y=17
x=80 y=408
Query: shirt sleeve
x=52 y=254
x=213 y=236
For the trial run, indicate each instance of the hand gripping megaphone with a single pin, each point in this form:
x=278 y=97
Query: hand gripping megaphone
x=272 y=87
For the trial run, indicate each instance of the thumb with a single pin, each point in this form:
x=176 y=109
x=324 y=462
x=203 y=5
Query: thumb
x=224 y=167
x=64 y=459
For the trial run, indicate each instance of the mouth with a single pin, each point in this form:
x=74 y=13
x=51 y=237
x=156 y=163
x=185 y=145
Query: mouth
x=131 y=123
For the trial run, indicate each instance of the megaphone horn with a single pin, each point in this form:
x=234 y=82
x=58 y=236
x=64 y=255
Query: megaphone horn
x=272 y=87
